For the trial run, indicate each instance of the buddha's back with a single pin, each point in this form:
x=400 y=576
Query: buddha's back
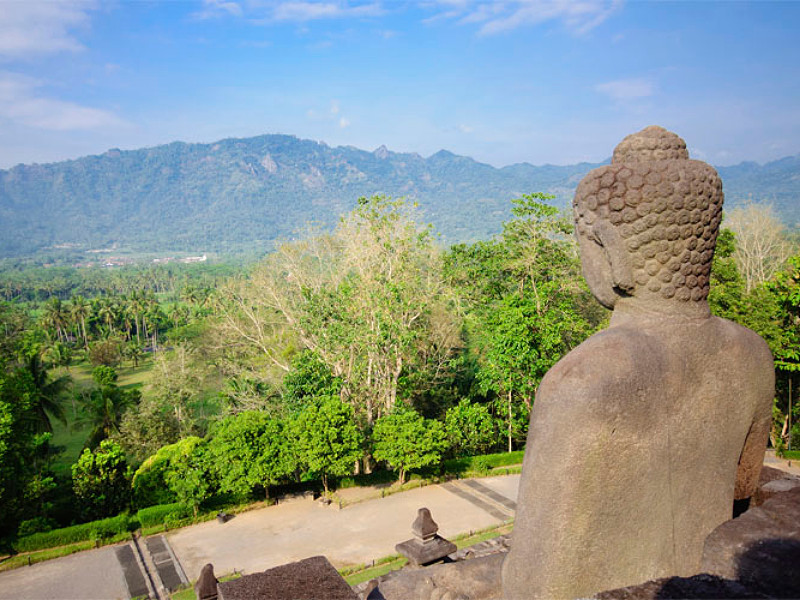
x=642 y=436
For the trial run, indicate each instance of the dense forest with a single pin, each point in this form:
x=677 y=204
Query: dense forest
x=365 y=349
x=244 y=195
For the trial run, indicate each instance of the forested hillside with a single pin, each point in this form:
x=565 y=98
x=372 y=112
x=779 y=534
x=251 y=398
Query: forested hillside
x=243 y=194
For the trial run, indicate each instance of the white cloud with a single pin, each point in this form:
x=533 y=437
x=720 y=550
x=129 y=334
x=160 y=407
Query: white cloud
x=579 y=16
x=334 y=107
x=20 y=103
x=33 y=28
x=309 y=11
x=465 y=128
x=218 y=8
x=626 y=89
x=344 y=123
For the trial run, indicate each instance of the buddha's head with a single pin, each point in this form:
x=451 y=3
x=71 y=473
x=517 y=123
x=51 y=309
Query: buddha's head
x=647 y=223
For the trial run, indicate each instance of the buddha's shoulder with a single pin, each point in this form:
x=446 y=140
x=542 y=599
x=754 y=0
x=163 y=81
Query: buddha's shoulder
x=735 y=335
x=611 y=356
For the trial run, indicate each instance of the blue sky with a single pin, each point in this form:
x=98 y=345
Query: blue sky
x=504 y=82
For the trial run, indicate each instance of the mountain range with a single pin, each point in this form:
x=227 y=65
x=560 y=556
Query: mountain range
x=244 y=194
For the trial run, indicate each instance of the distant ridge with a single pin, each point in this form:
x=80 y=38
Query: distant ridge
x=243 y=194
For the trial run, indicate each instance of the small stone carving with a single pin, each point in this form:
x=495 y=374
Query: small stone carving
x=206 y=586
x=641 y=437
x=426 y=547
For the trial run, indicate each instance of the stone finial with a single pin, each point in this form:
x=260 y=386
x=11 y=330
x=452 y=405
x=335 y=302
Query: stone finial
x=665 y=208
x=206 y=586
x=424 y=527
x=426 y=546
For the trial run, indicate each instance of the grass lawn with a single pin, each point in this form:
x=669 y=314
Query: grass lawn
x=72 y=436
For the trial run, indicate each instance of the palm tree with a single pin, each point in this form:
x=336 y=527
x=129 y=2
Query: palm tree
x=47 y=396
x=134 y=353
x=135 y=306
x=80 y=309
x=58 y=355
x=107 y=312
x=103 y=409
x=55 y=316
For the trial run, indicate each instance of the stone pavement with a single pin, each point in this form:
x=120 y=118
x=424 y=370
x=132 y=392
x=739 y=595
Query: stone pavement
x=790 y=466
x=90 y=575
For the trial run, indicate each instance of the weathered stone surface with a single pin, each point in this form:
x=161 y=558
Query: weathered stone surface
x=679 y=588
x=476 y=579
x=206 y=586
x=761 y=548
x=310 y=578
x=642 y=436
x=423 y=553
x=773 y=481
x=424 y=527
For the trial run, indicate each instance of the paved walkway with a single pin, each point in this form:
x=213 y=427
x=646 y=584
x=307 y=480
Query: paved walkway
x=790 y=466
x=90 y=575
x=260 y=539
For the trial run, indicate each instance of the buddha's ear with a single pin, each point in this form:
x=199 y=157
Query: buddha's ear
x=618 y=256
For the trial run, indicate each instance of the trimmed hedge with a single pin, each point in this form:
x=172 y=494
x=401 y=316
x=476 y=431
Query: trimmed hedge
x=104 y=528
x=483 y=462
x=157 y=515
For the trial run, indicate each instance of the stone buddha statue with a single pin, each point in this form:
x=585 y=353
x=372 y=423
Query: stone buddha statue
x=641 y=437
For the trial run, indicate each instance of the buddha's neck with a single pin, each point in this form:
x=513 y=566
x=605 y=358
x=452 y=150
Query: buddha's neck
x=636 y=310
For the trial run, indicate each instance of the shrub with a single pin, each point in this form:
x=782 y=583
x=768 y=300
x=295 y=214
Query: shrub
x=481 y=464
x=157 y=515
x=35 y=525
x=484 y=463
x=149 y=483
x=103 y=528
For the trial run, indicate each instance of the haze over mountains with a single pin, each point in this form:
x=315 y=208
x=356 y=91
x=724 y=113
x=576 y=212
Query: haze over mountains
x=243 y=194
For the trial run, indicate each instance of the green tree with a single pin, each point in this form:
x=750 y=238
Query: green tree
x=105 y=352
x=133 y=352
x=526 y=305
x=147 y=426
x=80 y=310
x=104 y=376
x=17 y=394
x=250 y=449
x=368 y=300
x=58 y=355
x=470 y=428
x=47 y=399
x=785 y=288
x=105 y=405
x=309 y=378
x=100 y=480
x=176 y=382
x=406 y=440
x=149 y=483
x=326 y=438
x=191 y=475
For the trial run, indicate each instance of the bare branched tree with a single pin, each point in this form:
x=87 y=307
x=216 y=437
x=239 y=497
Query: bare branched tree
x=368 y=299
x=762 y=246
